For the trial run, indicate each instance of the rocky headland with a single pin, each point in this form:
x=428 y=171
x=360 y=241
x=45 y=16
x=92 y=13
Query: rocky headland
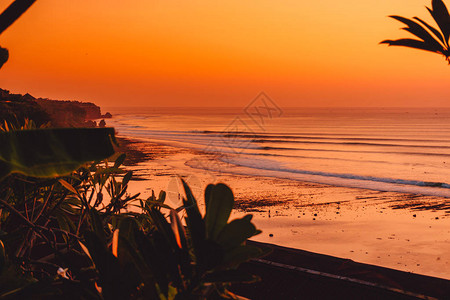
x=15 y=108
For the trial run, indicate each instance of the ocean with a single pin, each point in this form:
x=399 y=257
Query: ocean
x=384 y=149
x=368 y=184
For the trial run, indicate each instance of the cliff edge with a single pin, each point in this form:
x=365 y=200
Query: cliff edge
x=60 y=113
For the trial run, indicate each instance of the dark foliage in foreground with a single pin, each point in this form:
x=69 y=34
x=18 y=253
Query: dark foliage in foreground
x=68 y=228
x=78 y=236
x=430 y=38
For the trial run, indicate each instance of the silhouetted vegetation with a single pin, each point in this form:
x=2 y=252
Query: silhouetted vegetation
x=430 y=38
x=69 y=228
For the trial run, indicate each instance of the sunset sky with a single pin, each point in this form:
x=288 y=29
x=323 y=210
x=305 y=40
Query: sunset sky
x=222 y=53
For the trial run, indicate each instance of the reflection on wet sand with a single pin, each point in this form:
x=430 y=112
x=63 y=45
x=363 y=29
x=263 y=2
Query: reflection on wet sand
x=401 y=231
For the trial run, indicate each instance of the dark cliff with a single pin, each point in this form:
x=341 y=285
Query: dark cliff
x=60 y=113
x=70 y=113
x=15 y=108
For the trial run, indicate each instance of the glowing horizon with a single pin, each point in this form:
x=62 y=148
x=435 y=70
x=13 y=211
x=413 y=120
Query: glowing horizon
x=151 y=53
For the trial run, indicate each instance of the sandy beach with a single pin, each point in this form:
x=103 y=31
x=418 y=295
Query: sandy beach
x=401 y=231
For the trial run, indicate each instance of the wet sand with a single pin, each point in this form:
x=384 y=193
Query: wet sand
x=400 y=231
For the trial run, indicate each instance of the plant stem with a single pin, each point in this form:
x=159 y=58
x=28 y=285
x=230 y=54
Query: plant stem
x=24 y=219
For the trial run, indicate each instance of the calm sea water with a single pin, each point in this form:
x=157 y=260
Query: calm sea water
x=401 y=150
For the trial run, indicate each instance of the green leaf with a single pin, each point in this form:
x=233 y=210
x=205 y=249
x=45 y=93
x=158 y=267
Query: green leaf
x=441 y=16
x=236 y=232
x=220 y=204
x=53 y=152
x=4 y=55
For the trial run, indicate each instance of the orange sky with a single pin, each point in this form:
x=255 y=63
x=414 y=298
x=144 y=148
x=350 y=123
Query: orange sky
x=222 y=53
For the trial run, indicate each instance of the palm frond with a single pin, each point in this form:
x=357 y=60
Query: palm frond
x=430 y=38
x=13 y=12
x=432 y=29
x=441 y=16
x=411 y=43
x=417 y=30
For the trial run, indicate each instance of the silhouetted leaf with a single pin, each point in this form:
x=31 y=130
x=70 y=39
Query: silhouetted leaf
x=427 y=42
x=212 y=255
x=52 y=152
x=13 y=12
x=442 y=17
x=97 y=225
x=236 y=232
x=71 y=205
x=161 y=197
x=220 y=204
x=194 y=221
x=208 y=190
x=155 y=256
x=241 y=254
x=432 y=29
x=126 y=246
x=127 y=178
x=4 y=55
x=163 y=227
x=410 y=43
x=127 y=228
x=119 y=160
x=420 y=32
x=114 y=282
x=64 y=222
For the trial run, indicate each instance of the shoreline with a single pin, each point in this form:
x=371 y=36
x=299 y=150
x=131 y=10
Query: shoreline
x=396 y=230
x=139 y=151
x=130 y=147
